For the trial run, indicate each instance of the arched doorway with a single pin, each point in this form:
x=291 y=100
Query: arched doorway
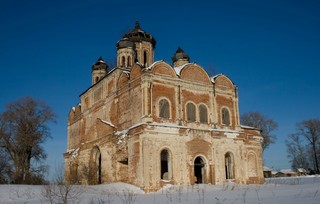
x=96 y=168
x=199 y=170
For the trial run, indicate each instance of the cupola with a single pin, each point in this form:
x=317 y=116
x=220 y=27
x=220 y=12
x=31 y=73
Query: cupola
x=99 y=70
x=180 y=58
x=135 y=46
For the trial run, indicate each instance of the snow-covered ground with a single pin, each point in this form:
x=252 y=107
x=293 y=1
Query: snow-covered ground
x=292 y=190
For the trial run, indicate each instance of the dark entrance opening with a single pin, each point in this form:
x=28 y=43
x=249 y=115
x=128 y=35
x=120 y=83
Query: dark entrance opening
x=99 y=169
x=199 y=170
x=164 y=164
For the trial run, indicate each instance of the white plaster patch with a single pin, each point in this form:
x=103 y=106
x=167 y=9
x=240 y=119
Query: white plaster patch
x=231 y=135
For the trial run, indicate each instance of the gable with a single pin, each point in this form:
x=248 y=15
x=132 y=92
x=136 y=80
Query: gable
x=135 y=71
x=195 y=73
x=123 y=80
x=223 y=82
x=163 y=68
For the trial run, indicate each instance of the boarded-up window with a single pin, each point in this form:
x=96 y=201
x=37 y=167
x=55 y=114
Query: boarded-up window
x=191 y=112
x=225 y=117
x=164 y=111
x=252 y=165
x=203 y=114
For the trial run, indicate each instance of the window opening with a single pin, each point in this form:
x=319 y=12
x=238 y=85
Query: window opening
x=123 y=61
x=145 y=58
x=164 y=111
x=129 y=61
x=165 y=165
x=191 y=112
x=203 y=114
x=229 y=166
x=225 y=117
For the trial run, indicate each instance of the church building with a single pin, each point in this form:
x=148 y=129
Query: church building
x=151 y=123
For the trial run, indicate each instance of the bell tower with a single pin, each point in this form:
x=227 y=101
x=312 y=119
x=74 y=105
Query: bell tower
x=135 y=46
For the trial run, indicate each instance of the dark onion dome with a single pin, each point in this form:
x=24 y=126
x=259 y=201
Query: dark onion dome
x=100 y=64
x=124 y=43
x=180 y=54
x=138 y=35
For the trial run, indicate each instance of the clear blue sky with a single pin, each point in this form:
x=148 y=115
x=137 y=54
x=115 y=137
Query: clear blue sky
x=270 y=49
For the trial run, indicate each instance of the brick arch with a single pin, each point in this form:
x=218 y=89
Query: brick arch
x=195 y=73
x=223 y=81
x=122 y=80
x=163 y=68
x=135 y=71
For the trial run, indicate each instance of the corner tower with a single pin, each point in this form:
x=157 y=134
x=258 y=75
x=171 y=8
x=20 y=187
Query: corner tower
x=99 y=70
x=135 y=46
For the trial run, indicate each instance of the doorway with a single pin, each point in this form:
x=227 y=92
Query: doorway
x=199 y=171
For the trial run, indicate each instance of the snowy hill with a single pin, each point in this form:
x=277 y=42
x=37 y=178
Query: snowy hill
x=276 y=190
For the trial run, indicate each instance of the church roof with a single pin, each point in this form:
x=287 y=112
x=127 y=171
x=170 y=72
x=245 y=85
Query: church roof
x=138 y=35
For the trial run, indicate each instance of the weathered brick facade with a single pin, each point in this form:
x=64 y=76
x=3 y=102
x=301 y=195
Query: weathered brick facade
x=149 y=124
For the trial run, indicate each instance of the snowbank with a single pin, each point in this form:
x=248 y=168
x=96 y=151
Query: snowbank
x=275 y=190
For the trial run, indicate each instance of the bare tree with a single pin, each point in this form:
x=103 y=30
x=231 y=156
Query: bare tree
x=23 y=128
x=262 y=122
x=310 y=130
x=4 y=167
x=297 y=151
x=60 y=191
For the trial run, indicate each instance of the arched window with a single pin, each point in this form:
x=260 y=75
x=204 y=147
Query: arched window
x=165 y=165
x=229 y=165
x=225 y=117
x=129 y=61
x=97 y=79
x=164 y=111
x=203 y=113
x=191 y=112
x=145 y=58
x=123 y=61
